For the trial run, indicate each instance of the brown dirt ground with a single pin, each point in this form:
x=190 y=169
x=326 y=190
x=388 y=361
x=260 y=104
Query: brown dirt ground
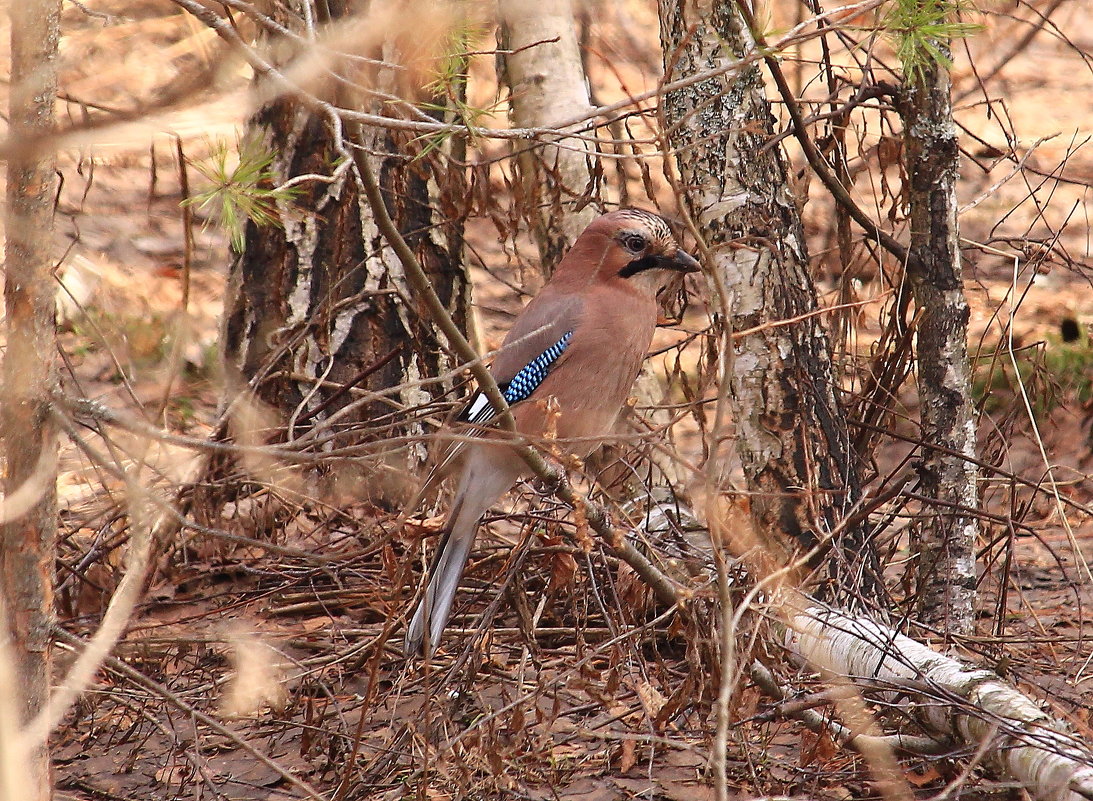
x=223 y=625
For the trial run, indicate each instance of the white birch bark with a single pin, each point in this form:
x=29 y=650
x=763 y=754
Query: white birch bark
x=545 y=74
x=966 y=705
x=790 y=428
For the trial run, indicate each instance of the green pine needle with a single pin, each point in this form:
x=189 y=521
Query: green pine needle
x=447 y=89
x=921 y=31
x=243 y=191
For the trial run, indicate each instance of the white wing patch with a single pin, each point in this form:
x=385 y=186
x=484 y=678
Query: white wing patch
x=480 y=404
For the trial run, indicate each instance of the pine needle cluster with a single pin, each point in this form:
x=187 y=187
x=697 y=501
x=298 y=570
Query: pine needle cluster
x=921 y=30
x=242 y=187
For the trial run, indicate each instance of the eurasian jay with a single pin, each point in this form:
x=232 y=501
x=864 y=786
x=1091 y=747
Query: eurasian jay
x=581 y=340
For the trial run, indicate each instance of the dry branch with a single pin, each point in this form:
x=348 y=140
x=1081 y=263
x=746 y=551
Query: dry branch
x=575 y=127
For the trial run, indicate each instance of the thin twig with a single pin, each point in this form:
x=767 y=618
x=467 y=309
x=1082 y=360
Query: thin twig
x=815 y=159
x=855 y=741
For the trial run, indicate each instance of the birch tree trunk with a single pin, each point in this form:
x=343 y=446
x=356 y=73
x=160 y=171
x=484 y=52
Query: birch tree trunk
x=319 y=313
x=945 y=544
x=791 y=432
x=545 y=74
x=27 y=537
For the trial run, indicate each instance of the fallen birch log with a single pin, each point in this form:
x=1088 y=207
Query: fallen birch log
x=967 y=706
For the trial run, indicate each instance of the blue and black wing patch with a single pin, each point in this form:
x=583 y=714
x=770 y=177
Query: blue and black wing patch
x=531 y=376
x=520 y=386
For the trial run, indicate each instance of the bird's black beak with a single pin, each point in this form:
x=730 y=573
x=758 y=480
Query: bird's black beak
x=685 y=262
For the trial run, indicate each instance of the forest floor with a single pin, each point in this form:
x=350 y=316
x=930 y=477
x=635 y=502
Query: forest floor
x=560 y=699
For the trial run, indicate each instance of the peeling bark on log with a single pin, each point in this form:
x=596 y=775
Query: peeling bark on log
x=791 y=431
x=27 y=434
x=545 y=74
x=965 y=705
x=945 y=541
x=319 y=312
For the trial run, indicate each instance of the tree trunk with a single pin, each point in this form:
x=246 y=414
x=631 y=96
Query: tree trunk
x=545 y=74
x=319 y=315
x=27 y=542
x=946 y=537
x=791 y=432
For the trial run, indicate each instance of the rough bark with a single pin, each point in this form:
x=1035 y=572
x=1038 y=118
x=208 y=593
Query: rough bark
x=319 y=312
x=545 y=75
x=946 y=536
x=791 y=432
x=27 y=542
x=971 y=708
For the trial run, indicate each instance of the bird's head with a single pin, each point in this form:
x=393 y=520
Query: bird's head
x=635 y=246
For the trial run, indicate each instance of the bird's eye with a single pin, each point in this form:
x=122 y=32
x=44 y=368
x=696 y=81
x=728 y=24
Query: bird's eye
x=635 y=243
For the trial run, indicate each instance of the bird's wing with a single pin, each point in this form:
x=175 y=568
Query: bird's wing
x=535 y=345
x=520 y=387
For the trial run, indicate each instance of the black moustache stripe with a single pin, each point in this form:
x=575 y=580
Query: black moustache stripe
x=639 y=265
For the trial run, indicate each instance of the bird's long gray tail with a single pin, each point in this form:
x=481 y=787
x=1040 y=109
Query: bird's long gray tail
x=484 y=480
